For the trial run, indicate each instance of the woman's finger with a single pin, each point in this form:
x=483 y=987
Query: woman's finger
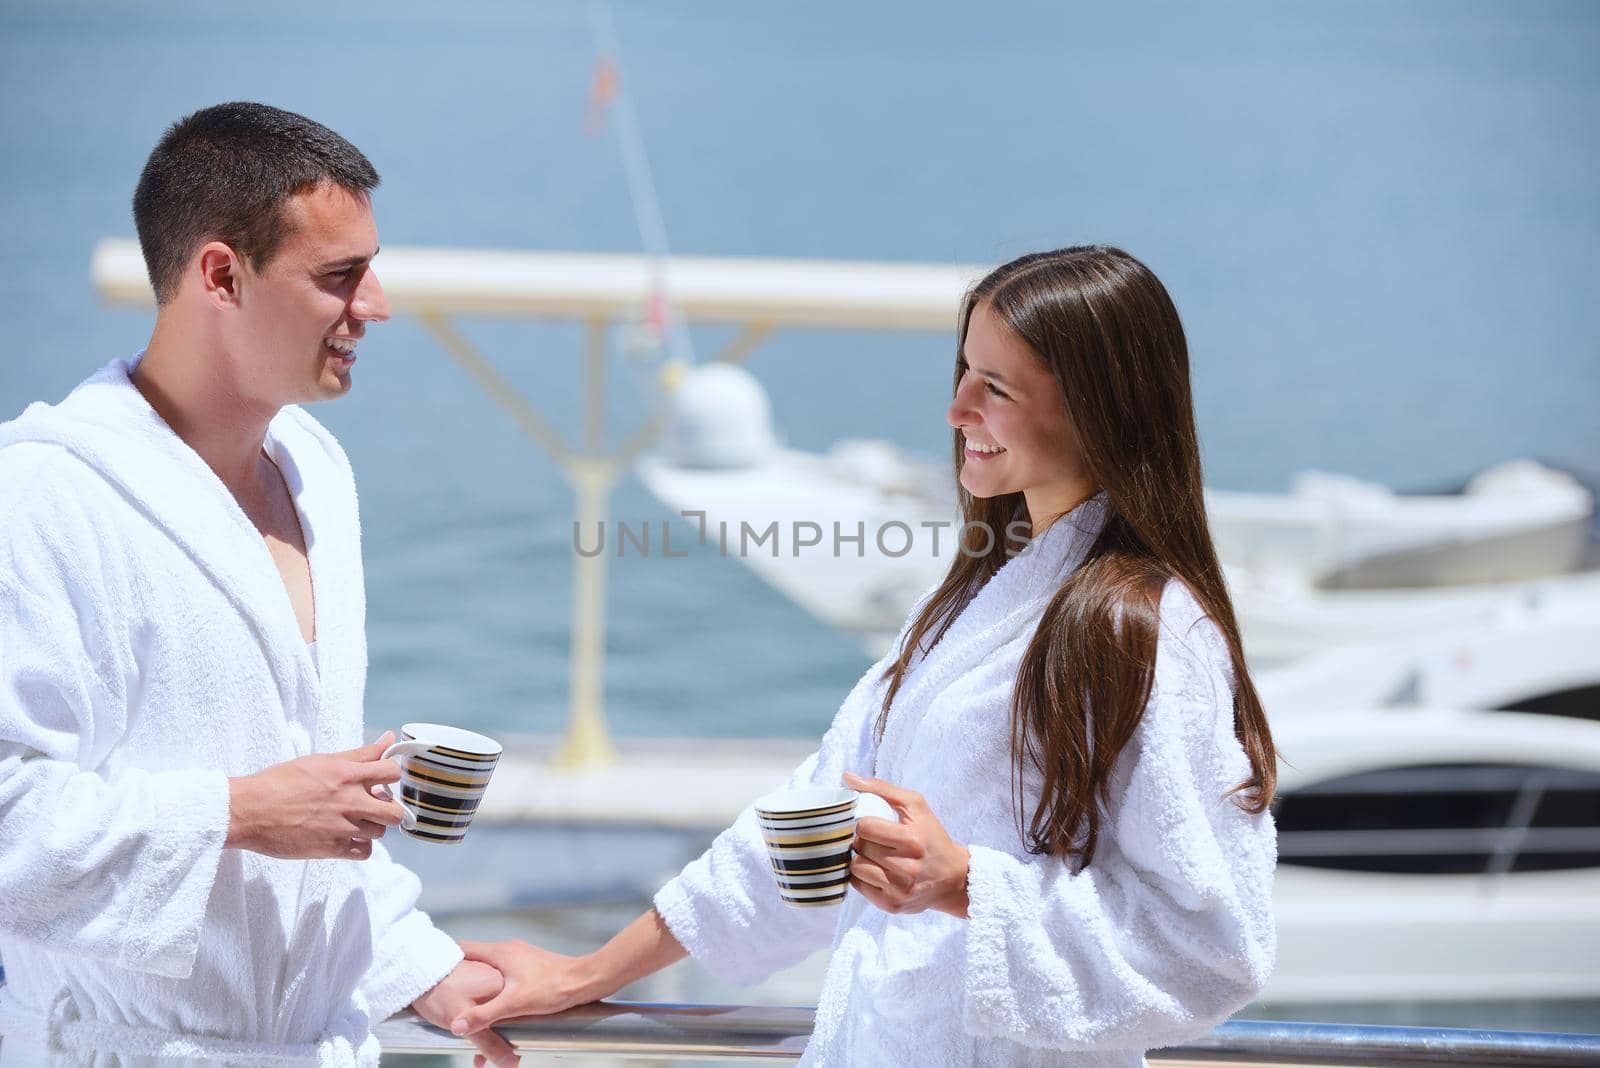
x=368 y=829
x=490 y=953
x=497 y=1008
x=889 y=855
x=899 y=798
x=876 y=897
x=897 y=836
x=871 y=850
x=870 y=871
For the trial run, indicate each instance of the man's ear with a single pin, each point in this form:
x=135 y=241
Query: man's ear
x=220 y=274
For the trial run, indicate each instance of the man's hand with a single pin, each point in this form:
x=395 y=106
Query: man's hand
x=316 y=806
x=471 y=983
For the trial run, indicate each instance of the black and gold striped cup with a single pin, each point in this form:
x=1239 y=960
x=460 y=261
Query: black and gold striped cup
x=443 y=774
x=808 y=833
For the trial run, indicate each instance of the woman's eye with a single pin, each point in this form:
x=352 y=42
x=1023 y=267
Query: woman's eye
x=992 y=388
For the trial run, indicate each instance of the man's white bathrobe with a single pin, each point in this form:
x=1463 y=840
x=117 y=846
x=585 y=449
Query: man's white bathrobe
x=1168 y=931
x=148 y=650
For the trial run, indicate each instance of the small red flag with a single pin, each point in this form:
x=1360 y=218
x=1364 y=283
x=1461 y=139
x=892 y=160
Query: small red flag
x=602 y=91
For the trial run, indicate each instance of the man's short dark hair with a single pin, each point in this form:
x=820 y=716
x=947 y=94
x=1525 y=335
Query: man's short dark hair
x=225 y=174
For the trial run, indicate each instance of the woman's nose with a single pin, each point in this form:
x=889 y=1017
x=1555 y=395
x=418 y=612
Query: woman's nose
x=960 y=413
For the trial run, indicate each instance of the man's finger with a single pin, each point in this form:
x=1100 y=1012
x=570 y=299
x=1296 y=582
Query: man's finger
x=368 y=752
x=388 y=813
x=899 y=798
x=495 y=1049
x=376 y=772
x=369 y=830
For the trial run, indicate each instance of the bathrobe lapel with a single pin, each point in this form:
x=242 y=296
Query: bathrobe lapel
x=137 y=452
x=1006 y=603
x=322 y=488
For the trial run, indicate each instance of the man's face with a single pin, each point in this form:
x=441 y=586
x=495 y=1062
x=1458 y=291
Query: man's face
x=304 y=312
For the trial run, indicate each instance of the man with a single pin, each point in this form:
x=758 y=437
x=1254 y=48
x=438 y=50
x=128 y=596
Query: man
x=185 y=870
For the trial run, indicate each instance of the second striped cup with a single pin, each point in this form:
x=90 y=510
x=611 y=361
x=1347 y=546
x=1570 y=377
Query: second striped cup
x=808 y=833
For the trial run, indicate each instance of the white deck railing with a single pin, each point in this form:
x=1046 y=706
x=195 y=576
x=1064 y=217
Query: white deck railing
x=745 y=1032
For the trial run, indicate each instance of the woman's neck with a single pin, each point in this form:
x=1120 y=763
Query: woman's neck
x=1047 y=504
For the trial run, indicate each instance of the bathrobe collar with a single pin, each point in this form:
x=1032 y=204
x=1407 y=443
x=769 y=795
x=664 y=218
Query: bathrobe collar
x=1009 y=602
x=107 y=423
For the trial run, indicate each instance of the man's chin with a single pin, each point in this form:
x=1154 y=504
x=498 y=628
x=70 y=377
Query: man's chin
x=334 y=384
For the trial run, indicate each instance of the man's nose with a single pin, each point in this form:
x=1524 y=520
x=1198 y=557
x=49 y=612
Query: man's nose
x=371 y=304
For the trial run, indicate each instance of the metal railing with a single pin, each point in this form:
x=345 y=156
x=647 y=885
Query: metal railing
x=748 y=1032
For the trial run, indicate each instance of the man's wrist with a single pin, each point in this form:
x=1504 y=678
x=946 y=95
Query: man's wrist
x=241 y=828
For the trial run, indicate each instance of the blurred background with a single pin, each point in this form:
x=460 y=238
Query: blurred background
x=1378 y=221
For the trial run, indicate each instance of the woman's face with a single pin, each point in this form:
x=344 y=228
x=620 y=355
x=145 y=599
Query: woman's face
x=1016 y=435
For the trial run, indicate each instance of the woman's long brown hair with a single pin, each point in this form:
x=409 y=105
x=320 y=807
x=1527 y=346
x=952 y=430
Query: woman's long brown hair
x=1106 y=328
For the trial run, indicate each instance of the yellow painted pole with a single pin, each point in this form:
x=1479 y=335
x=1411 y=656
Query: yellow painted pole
x=592 y=474
x=496 y=385
x=748 y=339
x=587 y=742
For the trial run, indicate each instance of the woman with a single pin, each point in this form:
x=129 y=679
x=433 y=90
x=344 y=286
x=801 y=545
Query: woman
x=1081 y=768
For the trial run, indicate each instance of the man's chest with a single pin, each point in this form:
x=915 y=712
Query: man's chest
x=273 y=513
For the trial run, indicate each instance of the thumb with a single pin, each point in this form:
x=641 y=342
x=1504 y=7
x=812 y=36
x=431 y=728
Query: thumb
x=475 y=1019
x=369 y=752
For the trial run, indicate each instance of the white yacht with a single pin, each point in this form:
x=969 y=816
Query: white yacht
x=1435 y=856
x=1535 y=651
x=1334 y=561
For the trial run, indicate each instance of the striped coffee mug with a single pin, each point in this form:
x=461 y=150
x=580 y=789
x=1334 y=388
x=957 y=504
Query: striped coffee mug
x=808 y=833
x=443 y=773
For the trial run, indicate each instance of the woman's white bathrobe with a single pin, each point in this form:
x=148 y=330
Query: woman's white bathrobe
x=1168 y=932
x=148 y=650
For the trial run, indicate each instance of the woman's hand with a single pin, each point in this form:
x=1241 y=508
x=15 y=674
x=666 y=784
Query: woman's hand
x=537 y=982
x=910 y=866
x=468 y=984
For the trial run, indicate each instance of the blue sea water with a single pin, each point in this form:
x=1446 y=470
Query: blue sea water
x=1379 y=222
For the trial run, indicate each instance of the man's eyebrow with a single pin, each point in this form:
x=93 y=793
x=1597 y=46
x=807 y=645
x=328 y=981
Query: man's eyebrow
x=349 y=261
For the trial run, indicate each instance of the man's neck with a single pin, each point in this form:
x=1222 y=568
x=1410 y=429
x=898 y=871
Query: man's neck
x=204 y=407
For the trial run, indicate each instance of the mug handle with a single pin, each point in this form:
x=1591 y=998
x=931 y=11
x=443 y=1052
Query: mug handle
x=409 y=747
